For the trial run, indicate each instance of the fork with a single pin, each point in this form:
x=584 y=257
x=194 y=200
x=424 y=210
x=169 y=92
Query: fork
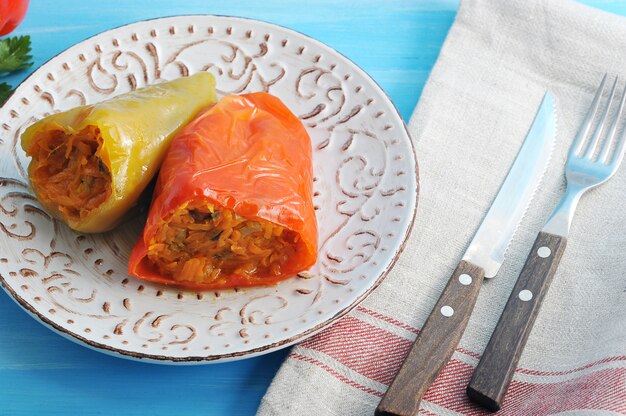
x=588 y=165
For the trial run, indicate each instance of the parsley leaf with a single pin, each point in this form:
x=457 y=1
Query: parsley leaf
x=5 y=92
x=14 y=53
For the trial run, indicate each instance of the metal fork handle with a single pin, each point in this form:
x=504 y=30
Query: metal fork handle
x=494 y=372
x=561 y=219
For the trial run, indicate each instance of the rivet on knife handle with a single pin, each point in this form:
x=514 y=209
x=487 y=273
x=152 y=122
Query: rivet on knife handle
x=495 y=370
x=435 y=344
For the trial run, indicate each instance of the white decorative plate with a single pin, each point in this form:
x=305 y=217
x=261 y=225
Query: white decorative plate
x=365 y=194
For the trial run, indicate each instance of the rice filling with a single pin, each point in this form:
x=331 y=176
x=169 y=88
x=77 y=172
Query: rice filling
x=68 y=173
x=199 y=241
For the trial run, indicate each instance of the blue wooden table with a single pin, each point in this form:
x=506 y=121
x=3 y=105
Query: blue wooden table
x=395 y=41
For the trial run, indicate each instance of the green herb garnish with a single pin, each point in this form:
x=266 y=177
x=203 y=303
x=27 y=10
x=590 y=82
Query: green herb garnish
x=14 y=53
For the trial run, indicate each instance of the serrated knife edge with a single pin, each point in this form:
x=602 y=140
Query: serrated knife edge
x=482 y=251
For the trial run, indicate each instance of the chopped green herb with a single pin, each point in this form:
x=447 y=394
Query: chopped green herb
x=202 y=216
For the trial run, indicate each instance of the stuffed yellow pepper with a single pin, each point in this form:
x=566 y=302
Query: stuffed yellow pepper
x=90 y=164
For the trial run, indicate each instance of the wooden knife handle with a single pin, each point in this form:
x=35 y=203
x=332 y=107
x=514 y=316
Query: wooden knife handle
x=493 y=375
x=434 y=346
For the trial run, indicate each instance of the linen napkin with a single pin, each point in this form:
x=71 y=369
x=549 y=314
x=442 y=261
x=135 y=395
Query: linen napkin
x=480 y=99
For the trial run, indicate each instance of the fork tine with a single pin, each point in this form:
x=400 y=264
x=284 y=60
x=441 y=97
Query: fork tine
x=597 y=136
x=577 y=146
x=606 y=148
x=618 y=155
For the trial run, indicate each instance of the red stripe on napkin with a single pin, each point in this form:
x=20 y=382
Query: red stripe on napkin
x=336 y=374
x=388 y=319
x=560 y=373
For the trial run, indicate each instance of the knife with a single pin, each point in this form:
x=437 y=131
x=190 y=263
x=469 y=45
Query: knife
x=444 y=327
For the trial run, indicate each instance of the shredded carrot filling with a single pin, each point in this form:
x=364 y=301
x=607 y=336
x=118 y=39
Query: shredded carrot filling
x=198 y=242
x=67 y=173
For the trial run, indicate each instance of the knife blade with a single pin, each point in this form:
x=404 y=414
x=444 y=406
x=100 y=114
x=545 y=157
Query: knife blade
x=492 y=239
x=484 y=256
